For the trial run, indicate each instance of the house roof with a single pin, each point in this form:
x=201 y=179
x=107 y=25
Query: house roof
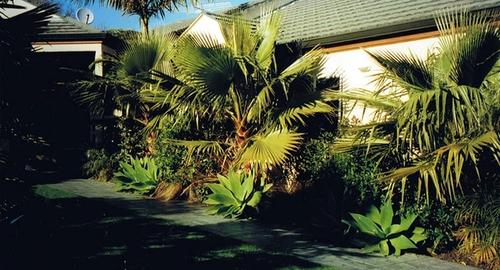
x=329 y=22
x=66 y=28
x=338 y=21
x=59 y=28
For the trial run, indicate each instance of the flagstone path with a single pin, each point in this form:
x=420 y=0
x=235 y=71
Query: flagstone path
x=273 y=239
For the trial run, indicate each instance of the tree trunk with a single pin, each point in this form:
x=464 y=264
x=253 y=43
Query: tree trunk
x=144 y=26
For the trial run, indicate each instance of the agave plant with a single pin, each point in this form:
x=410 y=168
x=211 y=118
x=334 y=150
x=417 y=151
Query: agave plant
x=379 y=224
x=445 y=126
x=139 y=176
x=237 y=84
x=234 y=193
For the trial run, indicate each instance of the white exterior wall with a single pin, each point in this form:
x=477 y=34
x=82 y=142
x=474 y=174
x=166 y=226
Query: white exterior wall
x=357 y=68
x=206 y=25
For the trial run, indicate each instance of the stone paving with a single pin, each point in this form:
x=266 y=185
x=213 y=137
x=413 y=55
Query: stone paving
x=270 y=238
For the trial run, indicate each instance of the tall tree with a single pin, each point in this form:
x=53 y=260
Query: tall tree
x=145 y=9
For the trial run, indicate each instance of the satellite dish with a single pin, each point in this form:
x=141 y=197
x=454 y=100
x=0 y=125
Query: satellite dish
x=85 y=15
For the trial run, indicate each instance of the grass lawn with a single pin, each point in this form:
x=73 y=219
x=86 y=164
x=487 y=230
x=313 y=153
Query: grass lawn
x=63 y=231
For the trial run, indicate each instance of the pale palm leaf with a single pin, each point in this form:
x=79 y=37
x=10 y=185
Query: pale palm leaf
x=270 y=149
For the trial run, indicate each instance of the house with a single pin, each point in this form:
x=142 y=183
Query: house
x=67 y=41
x=64 y=49
x=345 y=29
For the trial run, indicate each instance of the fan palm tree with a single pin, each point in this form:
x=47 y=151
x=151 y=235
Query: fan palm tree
x=145 y=9
x=129 y=74
x=437 y=136
x=236 y=87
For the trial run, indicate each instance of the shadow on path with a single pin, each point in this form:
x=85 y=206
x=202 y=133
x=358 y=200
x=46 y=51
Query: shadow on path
x=86 y=233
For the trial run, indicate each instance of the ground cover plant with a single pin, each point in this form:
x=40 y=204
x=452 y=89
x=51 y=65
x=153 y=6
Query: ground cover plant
x=235 y=193
x=139 y=175
x=391 y=237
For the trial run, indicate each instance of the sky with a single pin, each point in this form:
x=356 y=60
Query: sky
x=107 y=18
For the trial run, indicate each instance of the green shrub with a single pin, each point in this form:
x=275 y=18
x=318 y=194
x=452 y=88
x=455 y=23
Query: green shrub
x=132 y=139
x=138 y=176
x=352 y=172
x=359 y=179
x=438 y=221
x=177 y=165
x=170 y=158
x=234 y=193
x=329 y=186
x=378 y=224
x=99 y=165
x=315 y=155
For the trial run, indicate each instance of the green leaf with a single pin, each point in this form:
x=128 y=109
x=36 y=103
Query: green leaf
x=418 y=235
x=236 y=186
x=386 y=216
x=371 y=248
x=266 y=187
x=268 y=30
x=367 y=226
x=212 y=210
x=374 y=214
x=401 y=243
x=222 y=199
x=248 y=186
x=255 y=200
x=220 y=189
x=384 y=247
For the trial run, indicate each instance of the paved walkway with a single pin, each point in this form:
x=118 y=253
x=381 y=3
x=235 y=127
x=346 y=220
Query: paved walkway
x=274 y=239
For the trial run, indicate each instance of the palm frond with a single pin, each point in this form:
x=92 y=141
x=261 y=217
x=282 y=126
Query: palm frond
x=145 y=54
x=239 y=35
x=384 y=103
x=208 y=68
x=311 y=63
x=200 y=146
x=405 y=70
x=268 y=33
x=443 y=169
x=470 y=45
x=270 y=149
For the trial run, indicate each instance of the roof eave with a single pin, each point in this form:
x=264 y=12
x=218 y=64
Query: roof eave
x=422 y=26
x=71 y=37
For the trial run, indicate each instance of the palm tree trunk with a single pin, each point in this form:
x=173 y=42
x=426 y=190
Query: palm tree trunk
x=144 y=26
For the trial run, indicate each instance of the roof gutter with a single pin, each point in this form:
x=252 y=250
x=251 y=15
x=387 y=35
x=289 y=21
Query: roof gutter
x=71 y=37
x=422 y=26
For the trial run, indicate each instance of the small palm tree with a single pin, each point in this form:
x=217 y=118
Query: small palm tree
x=145 y=9
x=447 y=123
x=129 y=73
x=236 y=87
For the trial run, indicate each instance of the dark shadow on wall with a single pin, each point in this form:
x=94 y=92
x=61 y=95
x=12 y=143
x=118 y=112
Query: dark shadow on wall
x=48 y=132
